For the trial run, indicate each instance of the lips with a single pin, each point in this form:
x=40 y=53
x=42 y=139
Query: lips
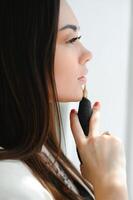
x=82 y=79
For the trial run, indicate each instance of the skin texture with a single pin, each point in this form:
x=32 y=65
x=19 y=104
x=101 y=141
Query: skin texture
x=103 y=156
x=70 y=58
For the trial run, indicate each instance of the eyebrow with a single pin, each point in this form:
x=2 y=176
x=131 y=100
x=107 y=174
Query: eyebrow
x=70 y=26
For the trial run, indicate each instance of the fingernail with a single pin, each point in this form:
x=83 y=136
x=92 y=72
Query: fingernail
x=73 y=111
x=96 y=104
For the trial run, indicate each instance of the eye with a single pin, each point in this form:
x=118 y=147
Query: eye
x=74 y=39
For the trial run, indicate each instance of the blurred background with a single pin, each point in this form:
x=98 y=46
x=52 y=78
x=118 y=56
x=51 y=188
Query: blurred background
x=106 y=29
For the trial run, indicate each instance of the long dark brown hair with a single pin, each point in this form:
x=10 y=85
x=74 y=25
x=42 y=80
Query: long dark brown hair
x=28 y=31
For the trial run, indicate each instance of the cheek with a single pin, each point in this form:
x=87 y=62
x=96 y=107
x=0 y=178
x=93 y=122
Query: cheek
x=67 y=70
x=66 y=64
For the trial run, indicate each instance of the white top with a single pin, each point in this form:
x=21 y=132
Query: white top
x=18 y=183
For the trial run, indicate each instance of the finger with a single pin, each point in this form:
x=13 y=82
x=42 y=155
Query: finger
x=94 y=124
x=76 y=128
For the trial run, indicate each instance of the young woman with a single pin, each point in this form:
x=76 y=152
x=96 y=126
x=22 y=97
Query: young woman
x=41 y=60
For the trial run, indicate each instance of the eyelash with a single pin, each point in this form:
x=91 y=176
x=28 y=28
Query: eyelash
x=74 y=39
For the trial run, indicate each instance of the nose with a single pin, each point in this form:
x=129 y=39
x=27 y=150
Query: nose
x=86 y=56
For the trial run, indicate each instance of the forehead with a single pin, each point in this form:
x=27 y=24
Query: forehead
x=66 y=15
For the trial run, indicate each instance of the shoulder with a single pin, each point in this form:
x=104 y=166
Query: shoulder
x=18 y=182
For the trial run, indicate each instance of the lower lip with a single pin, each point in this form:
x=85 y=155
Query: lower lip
x=83 y=80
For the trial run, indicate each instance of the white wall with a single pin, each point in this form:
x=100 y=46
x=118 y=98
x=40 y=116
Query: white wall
x=129 y=124
x=105 y=27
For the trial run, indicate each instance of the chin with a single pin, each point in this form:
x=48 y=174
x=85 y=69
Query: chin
x=75 y=98
x=79 y=96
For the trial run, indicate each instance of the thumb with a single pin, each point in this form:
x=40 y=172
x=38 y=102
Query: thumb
x=76 y=128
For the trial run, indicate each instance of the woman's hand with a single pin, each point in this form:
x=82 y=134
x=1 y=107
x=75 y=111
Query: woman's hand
x=102 y=155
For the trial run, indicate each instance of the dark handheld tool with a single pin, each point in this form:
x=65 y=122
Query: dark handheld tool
x=84 y=114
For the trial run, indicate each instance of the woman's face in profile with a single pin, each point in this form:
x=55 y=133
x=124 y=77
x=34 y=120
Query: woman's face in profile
x=70 y=57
